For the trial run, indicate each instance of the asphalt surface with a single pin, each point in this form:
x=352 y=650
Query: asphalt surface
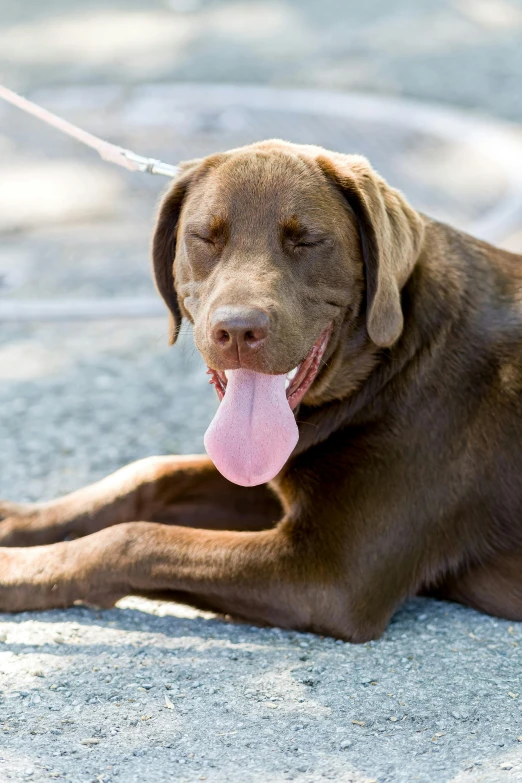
x=133 y=694
x=153 y=691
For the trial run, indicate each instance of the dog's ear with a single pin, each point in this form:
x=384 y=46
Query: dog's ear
x=391 y=234
x=164 y=243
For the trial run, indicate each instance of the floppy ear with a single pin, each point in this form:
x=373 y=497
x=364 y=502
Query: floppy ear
x=391 y=235
x=164 y=244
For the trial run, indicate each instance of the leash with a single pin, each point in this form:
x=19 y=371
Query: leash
x=109 y=152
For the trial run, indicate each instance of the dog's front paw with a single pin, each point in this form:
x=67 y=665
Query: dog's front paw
x=55 y=576
x=23 y=524
x=8 y=509
x=15 y=518
x=29 y=579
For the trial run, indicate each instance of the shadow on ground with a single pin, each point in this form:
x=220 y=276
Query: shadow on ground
x=148 y=685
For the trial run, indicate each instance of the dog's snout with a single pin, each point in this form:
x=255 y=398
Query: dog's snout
x=236 y=329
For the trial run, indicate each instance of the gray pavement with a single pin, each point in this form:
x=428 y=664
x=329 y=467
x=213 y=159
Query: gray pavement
x=463 y=52
x=150 y=691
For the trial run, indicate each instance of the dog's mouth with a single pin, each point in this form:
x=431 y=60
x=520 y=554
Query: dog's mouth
x=254 y=430
x=297 y=381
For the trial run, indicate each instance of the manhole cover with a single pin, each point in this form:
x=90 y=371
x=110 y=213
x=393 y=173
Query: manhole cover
x=451 y=166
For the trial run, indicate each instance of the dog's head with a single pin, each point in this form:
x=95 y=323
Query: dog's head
x=271 y=250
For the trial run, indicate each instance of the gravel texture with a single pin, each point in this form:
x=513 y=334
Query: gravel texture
x=81 y=399
x=150 y=691
x=439 y=698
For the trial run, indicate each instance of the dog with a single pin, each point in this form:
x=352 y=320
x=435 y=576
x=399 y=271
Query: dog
x=368 y=443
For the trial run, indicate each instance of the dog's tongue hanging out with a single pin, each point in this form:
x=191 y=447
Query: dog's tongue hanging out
x=254 y=430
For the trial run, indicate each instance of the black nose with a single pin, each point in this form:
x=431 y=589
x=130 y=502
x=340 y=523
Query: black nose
x=239 y=329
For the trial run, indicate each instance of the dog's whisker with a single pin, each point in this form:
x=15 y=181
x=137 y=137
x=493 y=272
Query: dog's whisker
x=307 y=423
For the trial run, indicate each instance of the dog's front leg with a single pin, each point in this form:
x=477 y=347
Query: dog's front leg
x=133 y=492
x=183 y=490
x=271 y=576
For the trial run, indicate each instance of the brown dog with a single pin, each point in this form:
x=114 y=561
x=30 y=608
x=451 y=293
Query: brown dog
x=407 y=473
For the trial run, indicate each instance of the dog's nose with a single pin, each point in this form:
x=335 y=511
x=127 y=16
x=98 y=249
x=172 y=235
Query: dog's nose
x=238 y=328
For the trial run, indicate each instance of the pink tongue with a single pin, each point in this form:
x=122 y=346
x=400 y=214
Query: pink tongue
x=254 y=431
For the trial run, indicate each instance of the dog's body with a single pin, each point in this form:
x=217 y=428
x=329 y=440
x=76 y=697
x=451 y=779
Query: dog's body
x=407 y=476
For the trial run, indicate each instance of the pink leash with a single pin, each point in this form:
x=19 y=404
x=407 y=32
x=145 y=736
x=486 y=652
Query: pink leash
x=109 y=152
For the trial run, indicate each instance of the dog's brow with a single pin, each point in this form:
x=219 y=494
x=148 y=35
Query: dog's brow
x=215 y=225
x=218 y=224
x=291 y=225
x=293 y=228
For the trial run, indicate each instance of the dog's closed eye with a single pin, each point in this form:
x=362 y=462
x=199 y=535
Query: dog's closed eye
x=309 y=242
x=202 y=238
x=213 y=232
x=297 y=236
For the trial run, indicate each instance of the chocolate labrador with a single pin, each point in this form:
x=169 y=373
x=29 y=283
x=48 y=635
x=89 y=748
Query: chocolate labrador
x=368 y=443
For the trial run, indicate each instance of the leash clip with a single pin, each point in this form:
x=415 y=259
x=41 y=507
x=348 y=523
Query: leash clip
x=109 y=152
x=151 y=165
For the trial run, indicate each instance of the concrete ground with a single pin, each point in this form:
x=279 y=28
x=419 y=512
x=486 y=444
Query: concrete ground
x=150 y=691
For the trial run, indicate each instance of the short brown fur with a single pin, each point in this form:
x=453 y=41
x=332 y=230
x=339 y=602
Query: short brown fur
x=407 y=477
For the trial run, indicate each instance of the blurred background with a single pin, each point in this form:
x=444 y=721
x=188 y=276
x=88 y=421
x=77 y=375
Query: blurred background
x=429 y=90
x=461 y=52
